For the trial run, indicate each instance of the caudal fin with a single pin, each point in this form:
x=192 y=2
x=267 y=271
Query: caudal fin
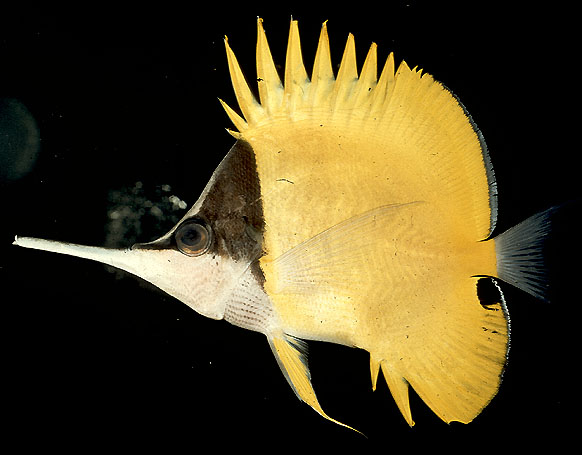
x=520 y=256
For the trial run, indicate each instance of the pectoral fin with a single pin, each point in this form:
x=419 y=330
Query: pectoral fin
x=291 y=355
x=326 y=262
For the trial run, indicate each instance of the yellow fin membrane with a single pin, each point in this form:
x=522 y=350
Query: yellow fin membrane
x=291 y=355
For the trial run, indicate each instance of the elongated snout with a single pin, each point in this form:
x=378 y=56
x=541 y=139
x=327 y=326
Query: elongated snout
x=203 y=283
x=121 y=258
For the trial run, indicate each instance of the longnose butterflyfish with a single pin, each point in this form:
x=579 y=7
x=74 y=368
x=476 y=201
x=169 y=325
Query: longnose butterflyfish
x=352 y=209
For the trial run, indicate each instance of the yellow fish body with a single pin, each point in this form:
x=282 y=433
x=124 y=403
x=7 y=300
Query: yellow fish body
x=353 y=209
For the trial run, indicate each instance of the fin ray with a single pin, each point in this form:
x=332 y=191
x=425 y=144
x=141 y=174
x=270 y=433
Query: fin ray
x=246 y=100
x=520 y=259
x=347 y=75
x=291 y=355
x=236 y=119
x=368 y=77
x=295 y=75
x=323 y=261
x=270 y=86
x=374 y=370
x=322 y=77
x=385 y=84
x=399 y=389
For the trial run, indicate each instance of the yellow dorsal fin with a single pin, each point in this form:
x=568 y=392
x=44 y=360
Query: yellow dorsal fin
x=236 y=119
x=270 y=86
x=249 y=106
x=295 y=75
x=368 y=78
x=291 y=355
x=322 y=78
x=385 y=84
x=347 y=76
x=420 y=140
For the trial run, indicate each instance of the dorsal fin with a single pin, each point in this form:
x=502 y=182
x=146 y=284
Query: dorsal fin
x=413 y=132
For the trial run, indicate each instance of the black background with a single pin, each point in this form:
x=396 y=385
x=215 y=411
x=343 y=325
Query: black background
x=129 y=93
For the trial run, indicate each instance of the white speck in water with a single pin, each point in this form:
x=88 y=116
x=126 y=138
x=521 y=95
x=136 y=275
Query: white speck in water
x=177 y=203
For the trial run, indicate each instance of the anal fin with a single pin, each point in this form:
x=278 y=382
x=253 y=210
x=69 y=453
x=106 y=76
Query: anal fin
x=374 y=370
x=291 y=355
x=397 y=385
x=399 y=389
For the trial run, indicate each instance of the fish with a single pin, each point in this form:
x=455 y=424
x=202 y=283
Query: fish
x=353 y=209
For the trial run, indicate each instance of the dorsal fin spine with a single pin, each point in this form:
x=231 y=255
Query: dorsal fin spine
x=322 y=75
x=321 y=97
x=347 y=75
x=270 y=86
x=295 y=75
x=249 y=106
x=368 y=78
x=236 y=119
x=385 y=85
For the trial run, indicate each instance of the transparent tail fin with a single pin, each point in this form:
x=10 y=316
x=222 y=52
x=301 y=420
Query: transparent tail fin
x=520 y=257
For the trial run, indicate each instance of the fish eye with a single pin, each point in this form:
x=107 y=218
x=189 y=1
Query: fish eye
x=192 y=238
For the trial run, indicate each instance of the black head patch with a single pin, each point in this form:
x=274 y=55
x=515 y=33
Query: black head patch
x=233 y=207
